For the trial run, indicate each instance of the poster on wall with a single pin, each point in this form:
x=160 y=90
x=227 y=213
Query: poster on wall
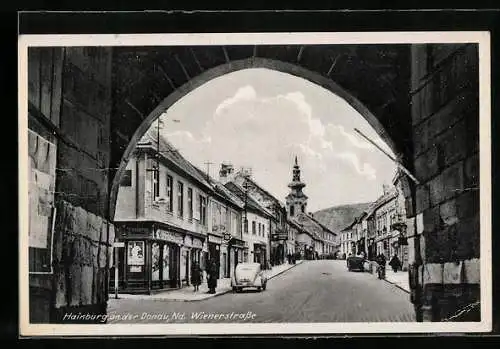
x=135 y=253
x=41 y=187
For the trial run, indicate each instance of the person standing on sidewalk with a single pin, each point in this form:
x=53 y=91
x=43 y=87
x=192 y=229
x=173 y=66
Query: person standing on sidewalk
x=395 y=263
x=212 y=276
x=381 y=261
x=196 y=276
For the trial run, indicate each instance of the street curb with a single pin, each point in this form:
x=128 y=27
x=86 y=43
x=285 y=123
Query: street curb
x=281 y=272
x=199 y=300
x=395 y=284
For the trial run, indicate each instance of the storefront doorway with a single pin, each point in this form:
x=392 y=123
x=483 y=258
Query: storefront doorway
x=214 y=253
x=169 y=273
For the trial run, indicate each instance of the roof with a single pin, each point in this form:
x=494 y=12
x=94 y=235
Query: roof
x=224 y=192
x=322 y=225
x=251 y=203
x=310 y=226
x=383 y=199
x=295 y=223
x=167 y=151
x=262 y=189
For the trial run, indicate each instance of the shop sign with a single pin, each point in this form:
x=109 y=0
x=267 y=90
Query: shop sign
x=279 y=236
x=215 y=239
x=169 y=236
x=138 y=230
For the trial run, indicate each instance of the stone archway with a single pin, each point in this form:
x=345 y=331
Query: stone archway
x=428 y=104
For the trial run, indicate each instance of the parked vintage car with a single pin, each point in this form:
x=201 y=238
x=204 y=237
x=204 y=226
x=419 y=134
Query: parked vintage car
x=248 y=275
x=356 y=263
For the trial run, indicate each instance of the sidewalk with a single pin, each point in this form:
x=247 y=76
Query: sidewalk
x=186 y=294
x=399 y=279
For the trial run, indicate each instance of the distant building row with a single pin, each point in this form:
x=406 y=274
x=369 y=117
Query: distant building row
x=170 y=214
x=382 y=228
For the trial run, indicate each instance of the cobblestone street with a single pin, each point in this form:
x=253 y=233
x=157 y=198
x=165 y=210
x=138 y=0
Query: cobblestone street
x=315 y=291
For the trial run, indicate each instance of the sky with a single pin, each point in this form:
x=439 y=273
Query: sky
x=261 y=119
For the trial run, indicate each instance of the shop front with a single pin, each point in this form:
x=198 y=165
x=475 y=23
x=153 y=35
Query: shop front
x=151 y=258
x=192 y=253
x=214 y=250
x=372 y=249
x=309 y=252
x=278 y=247
x=259 y=253
x=235 y=250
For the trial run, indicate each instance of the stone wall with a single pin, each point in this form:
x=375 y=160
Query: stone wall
x=82 y=252
x=445 y=116
x=70 y=96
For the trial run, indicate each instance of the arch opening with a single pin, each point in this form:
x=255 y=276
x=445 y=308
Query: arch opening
x=240 y=65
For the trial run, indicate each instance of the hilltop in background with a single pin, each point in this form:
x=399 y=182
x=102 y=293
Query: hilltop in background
x=337 y=218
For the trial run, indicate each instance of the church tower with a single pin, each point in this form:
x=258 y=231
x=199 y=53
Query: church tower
x=296 y=201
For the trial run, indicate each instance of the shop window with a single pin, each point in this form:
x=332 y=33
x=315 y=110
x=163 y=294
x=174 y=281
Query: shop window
x=155 y=267
x=166 y=266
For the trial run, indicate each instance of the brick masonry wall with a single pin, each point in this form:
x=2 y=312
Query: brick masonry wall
x=445 y=116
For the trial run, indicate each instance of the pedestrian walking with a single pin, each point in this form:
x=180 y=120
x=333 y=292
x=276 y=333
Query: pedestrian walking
x=212 y=276
x=196 y=273
x=381 y=261
x=395 y=263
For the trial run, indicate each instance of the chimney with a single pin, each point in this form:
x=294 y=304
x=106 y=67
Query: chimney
x=225 y=172
x=386 y=188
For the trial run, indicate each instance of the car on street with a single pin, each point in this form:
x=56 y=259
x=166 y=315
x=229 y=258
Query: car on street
x=248 y=275
x=356 y=263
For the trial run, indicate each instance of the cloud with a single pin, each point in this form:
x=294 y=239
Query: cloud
x=245 y=93
x=364 y=169
x=186 y=136
x=353 y=139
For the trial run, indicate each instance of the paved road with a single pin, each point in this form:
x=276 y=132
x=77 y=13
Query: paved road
x=314 y=291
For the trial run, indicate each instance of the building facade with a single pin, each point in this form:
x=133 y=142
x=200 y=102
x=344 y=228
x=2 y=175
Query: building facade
x=256 y=226
x=170 y=216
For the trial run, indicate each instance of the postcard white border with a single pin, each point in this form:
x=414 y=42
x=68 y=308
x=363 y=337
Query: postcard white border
x=480 y=37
